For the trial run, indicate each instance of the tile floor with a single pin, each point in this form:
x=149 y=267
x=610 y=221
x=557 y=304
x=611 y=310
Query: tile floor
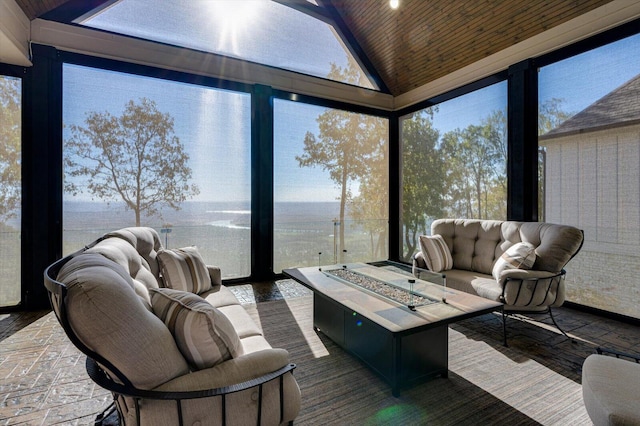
x=43 y=379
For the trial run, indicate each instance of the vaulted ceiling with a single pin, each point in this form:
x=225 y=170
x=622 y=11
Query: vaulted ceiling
x=424 y=40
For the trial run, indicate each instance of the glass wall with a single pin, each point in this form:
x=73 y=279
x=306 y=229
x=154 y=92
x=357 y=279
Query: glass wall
x=331 y=191
x=590 y=169
x=151 y=152
x=454 y=162
x=10 y=189
x=265 y=32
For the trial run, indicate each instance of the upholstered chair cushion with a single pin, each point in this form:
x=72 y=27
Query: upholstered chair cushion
x=518 y=256
x=555 y=244
x=183 y=269
x=124 y=254
x=108 y=317
x=610 y=388
x=204 y=335
x=473 y=243
x=146 y=241
x=436 y=253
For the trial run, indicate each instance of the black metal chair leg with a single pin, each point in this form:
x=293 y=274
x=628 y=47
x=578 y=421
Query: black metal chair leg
x=504 y=328
x=558 y=327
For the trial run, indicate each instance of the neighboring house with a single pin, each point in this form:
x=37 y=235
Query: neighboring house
x=593 y=182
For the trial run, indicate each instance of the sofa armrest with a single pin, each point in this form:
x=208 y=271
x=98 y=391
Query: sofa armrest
x=524 y=274
x=418 y=262
x=237 y=370
x=532 y=288
x=618 y=354
x=215 y=274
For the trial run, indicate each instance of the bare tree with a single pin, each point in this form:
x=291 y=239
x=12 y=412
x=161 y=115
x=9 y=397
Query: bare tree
x=135 y=158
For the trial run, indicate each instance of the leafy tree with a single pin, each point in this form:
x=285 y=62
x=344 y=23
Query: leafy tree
x=135 y=158
x=371 y=207
x=10 y=147
x=551 y=115
x=345 y=146
x=474 y=165
x=422 y=177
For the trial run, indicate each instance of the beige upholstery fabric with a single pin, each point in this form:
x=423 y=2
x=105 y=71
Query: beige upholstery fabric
x=184 y=269
x=123 y=253
x=473 y=243
x=219 y=297
x=610 y=389
x=108 y=292
x=145 y=240
x=242 y=407
x=477 y=244
x=204 y=335
x=242 y=322
x=518 y=256
x=110 y=319
x=435 y=252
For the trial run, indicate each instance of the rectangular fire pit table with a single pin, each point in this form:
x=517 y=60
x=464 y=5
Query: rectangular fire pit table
x=396 y=324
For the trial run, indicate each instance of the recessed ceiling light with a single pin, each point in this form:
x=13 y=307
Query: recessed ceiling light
x=394 y=4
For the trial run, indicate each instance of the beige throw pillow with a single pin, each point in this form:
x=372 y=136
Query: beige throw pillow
x=518 y=256
x=436 y=253
x=204 y=335
x=183 y=269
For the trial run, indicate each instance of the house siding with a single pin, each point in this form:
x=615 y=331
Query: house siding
x=593 y=183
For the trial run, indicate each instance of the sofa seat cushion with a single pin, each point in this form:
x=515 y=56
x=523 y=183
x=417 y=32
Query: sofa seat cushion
x=108 y=317
x=610 y=388
x=220 y=296
x=254 y=343
x=204 y=335
x=516 y=296
x=482 y=285
x=184 y=269
x=241 y=320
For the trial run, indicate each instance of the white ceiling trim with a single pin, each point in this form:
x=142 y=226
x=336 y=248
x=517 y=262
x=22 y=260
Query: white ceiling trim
x=14 y=34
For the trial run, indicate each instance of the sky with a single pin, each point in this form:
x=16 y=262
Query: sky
x=214 y=125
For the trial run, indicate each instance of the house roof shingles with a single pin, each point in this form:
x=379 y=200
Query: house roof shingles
x=619 y=107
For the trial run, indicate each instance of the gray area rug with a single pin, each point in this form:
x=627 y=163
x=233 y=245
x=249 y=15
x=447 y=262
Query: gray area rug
x=487 y=384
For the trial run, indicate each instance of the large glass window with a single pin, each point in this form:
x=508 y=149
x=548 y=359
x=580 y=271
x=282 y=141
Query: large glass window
x=10 y=189
x=331 y=177
x=265 y=32
x=172 y=156
x=590 y=169
x=454 y=162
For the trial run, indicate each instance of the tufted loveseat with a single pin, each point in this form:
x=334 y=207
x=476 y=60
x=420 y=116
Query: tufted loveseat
x=105 y=297
x=476 y=245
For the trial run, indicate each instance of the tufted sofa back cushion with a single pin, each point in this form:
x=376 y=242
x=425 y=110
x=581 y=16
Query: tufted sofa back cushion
x=109 y=319
x=473 y=243
x=122 y=252
x=555 y=244
x=476 y=244
x=146 y=241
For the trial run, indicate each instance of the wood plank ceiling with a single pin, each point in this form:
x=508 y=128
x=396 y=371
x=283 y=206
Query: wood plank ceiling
x=424 y=40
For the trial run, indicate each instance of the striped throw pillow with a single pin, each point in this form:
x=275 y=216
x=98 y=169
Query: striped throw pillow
x=183 y=269
x=518 y=256
x=436 y=253
x=203 y=334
